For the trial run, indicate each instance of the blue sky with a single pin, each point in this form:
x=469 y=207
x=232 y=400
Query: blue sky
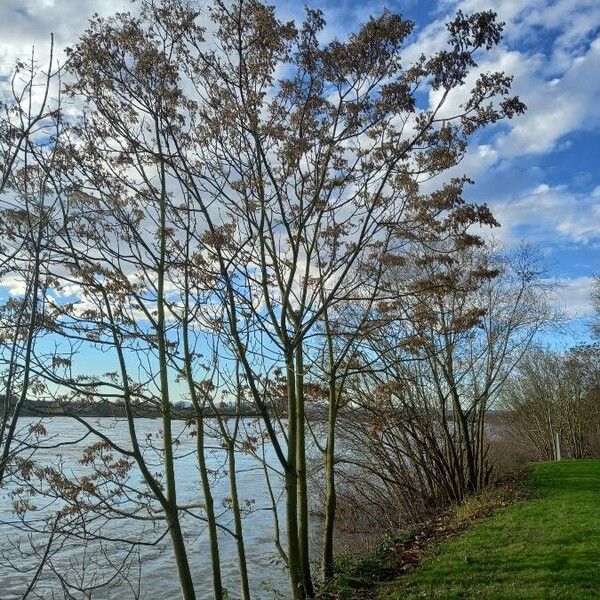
x=540 y=174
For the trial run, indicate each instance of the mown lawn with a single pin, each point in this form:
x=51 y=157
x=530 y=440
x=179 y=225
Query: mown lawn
x=547 y=546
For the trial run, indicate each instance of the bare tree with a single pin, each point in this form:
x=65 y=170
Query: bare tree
x=552 y=404
x=443 y=357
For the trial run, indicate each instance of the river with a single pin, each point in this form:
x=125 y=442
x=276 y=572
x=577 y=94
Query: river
x=154 y=569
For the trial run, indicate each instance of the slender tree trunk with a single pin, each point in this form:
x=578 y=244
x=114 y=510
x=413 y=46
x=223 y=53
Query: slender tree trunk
x=237 y=517
x=471 y=483
x=303 y=523
x=171 y=514
x=330 y=499
x=209 y=508
x=183 y=566
x=291 y=486
x=209 y=505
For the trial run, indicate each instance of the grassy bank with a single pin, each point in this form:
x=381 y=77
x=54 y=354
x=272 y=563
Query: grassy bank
x=545 y=547
x=541 y=542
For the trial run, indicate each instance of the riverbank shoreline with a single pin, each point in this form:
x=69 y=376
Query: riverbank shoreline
x=367 y=575
x=534 y=536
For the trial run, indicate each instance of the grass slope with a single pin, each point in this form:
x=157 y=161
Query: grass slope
x=545 y=547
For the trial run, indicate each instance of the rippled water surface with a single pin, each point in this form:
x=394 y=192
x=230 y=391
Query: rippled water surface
x=154 y=571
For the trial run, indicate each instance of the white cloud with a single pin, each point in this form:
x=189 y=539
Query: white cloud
x=574 y=296
x=28 y=23
x=550 y=214
x=560 y=87
x=548 y=46
x=14 y=285
x=559 y=84
x=556 y=107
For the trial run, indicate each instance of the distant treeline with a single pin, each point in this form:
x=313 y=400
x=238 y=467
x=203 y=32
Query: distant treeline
x=184 y=410
x=98 y=408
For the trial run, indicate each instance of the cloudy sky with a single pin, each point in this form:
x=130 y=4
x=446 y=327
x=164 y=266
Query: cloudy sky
x=540 y=174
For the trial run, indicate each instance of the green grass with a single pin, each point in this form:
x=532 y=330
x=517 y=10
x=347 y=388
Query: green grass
x=547 y=546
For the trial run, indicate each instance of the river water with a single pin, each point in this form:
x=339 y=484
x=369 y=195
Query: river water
x=152 y=571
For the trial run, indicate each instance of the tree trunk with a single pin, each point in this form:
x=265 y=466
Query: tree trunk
x=181 y=559
x=237 y=517
x=210 y=512
x=330 y=500
x=183 y=567
x=303 y=524
x=291 y=486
